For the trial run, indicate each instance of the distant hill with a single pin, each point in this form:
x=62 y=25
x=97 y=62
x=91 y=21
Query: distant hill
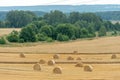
x=109 y=15
x=65 y=8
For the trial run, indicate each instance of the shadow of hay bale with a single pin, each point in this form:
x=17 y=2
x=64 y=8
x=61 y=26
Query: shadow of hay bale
x=42 y=61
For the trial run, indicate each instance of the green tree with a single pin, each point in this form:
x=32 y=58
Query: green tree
x=39 y=24
x=90 y=17
x=77 y=31
x=84 y=33
x=42 y=37
x=73 y=17
x=91 y=30
x=81 y=24
x=55 y=17
x=117 y=26
x=49 y=39
x=34 y=28
x=47 y=30
x=27 y=34
x=102 y=31
x=109 y=26
x=13 y=36
x=3 y=40
x=2 y=24
x=66 y=29
x=19 y=18
x=61 y=37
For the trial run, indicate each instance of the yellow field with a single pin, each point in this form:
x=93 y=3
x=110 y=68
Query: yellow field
x=4 y=31
x=100 y=45
x=13 y=68
x=69 y=71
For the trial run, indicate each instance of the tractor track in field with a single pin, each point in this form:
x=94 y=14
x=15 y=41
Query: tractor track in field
x=107 y=53
x=63 y=62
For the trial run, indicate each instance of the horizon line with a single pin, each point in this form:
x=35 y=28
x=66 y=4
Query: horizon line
x=57 y=5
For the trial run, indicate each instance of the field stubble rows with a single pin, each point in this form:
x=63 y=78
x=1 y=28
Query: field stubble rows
x=106 y=45
x=69 y=71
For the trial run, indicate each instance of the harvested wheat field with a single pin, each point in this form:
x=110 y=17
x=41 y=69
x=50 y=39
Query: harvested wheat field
x=17 y=68
x=5 y=31
x=98 y=45
x=96 y=53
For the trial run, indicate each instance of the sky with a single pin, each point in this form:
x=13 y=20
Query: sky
x=55 y=2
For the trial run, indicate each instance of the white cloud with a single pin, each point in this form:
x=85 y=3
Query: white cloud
x=57 y=2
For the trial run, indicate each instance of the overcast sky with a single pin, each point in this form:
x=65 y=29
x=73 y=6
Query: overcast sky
x=55 y=2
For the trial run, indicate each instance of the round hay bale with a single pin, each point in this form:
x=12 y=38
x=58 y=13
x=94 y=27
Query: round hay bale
x=22 y=55
x=37 y=67
x=70 y=58
x=114 y=56
x=79 y=64
x=88 y=68
x=51 y=62
x=78 y=58
x=42 y=61
x=56 y=56
x=75 y=52
x=57 y=70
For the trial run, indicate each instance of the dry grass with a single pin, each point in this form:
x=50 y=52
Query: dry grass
x=69 y=72
x=78 y=58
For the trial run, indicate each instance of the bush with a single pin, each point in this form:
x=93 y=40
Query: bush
x=13 y=37
x=84 y=33
x=42 y=37
x=3 y=40
x=28 y=34
x=66 y=29
x=114 y=33
x=49 y=39
x=61 y=37
x=102 y=31
x=73 y=37
x=91 y=35
x=21 y=40
x=47 y=30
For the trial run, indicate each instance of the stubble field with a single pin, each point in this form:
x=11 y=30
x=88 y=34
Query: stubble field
x=96 y=52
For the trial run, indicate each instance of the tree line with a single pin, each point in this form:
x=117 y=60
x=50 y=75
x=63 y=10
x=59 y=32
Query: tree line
x=56 y=25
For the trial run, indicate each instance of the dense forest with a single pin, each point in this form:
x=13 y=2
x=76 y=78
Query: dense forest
x=106 y=15
x=56 y=25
